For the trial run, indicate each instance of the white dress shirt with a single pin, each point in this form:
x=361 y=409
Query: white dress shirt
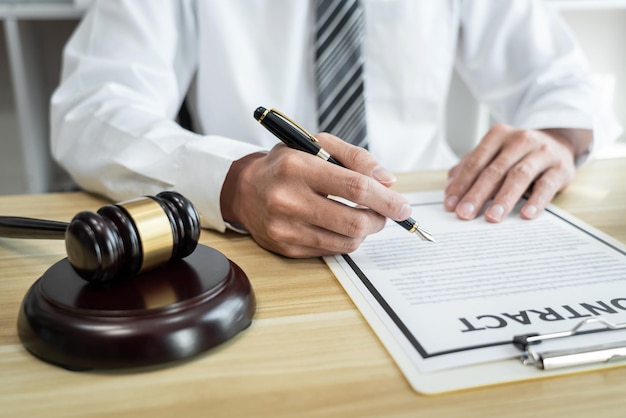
x=130 y=64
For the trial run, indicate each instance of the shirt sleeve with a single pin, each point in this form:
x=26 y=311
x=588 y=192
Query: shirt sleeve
x=126 y=71
x=519 y=58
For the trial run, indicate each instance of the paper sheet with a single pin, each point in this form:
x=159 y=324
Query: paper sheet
x=460 y=301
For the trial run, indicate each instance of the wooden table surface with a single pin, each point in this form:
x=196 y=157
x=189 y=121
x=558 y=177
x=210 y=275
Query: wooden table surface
x=308 y=352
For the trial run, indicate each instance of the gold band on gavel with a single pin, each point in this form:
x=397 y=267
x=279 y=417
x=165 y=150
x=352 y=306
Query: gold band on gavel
x=155 y=231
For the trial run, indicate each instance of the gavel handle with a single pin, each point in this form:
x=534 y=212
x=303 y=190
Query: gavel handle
x=18 y=227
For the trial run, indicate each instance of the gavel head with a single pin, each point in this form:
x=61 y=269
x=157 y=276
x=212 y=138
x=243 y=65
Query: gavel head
x=124 y=239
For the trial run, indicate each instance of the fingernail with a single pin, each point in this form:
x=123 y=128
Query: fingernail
x=530 y=211
x=383 y=175
x=405 y=212
x=450 y=202
x=495 y=212
x=466 y=210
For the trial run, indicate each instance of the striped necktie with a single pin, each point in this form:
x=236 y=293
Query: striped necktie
x=339 y=70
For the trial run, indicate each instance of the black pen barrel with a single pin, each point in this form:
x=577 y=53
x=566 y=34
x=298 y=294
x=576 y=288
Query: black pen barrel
x=285 y=131
x=407 y=224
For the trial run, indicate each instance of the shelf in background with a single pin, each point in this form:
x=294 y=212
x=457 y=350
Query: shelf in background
x=587 y=4
x=44 y=10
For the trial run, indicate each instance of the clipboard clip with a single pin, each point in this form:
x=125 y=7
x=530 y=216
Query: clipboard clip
x=556 y=359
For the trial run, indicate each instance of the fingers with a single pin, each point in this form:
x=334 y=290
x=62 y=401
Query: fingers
x=485 y=169
x=516 y=183
x=544 y=190
x=361 y=190
x=315 y=209
x=503 y=167
x=464 y=175
x=304 y=238
x=282 y=201
x=356 y=159
x=361 y=183
x=312 y=225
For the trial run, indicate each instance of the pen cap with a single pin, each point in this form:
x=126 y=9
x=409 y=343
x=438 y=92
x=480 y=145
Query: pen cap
x=286 y=130
x=258 y=113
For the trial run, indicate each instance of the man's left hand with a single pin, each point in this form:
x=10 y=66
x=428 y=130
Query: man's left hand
x=506 y=164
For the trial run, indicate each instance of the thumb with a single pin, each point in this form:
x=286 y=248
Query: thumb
x=356 y=159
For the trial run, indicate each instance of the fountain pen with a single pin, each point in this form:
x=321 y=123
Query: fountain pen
x=296 y=137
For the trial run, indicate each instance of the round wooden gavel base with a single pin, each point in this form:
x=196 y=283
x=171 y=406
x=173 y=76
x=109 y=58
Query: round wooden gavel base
x=171 y=313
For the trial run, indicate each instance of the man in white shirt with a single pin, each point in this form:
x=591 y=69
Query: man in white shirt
x=130 y=64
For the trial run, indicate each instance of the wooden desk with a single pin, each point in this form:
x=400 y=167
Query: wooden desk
x=308 y=353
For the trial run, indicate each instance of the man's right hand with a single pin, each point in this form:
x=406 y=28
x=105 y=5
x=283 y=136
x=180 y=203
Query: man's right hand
x=281 y=198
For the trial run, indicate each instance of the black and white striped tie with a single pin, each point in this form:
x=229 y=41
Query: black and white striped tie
x=339 y=70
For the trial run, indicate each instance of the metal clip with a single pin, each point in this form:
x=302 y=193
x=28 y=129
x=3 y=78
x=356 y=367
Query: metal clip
x=601 y=353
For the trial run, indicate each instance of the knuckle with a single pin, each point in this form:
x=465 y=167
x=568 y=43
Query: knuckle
x=350 y=245
x=494 y=171
x=357 y=186
x=545 y=148
x=277 y=197
x=316 y=241
x=499 y=128
x=355 y=227
x=566 y=168
x=357 y=156
x=497 y=133
x=391 y=206
x=523 y=170
x=285 y=164
x=546 y=184
x=292 y=251
x=526 y=136
x=380 y=225
x=275 y=231
x=473 y=163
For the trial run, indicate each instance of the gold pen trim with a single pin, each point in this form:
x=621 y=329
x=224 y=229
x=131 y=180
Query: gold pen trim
x=323 y=154
x=263 y=115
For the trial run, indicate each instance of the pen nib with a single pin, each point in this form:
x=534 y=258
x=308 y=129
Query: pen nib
x=424 y=234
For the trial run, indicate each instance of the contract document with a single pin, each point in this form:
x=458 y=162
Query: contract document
x=459 y=302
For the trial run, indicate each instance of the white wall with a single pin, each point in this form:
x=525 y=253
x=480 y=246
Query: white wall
x=601 y=34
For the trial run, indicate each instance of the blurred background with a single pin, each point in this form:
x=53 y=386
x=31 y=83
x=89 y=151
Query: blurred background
x=33 y=32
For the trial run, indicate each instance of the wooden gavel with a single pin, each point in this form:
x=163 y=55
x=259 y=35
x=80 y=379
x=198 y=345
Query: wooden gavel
x=122 y=239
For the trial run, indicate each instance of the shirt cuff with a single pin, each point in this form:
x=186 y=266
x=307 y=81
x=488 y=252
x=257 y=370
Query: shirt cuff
x=202 y=166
